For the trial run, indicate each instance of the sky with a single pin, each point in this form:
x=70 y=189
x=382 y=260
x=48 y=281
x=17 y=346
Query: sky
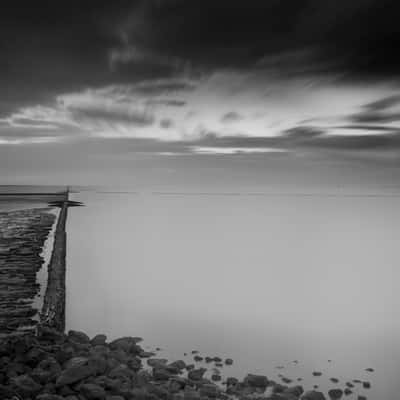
x=90 y=91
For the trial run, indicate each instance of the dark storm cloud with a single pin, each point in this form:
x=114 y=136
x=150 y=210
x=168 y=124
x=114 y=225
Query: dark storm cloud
x=52 y=47
x=231 y=116
x=357 y=38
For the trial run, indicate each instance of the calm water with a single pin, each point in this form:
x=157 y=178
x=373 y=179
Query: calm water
x=262 y=279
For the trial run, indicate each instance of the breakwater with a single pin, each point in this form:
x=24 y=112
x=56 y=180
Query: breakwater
x=53 y=311
x=22 y=236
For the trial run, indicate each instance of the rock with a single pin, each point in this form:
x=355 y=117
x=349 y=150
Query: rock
x=161 y=374
x=127 y=343
x=215 y=377
x=191 y=394
x=98 y=365
x=98 y=340
x=334 y=380
x=335 y=394
x=189 y=367
x=366 y=385
x=369 y=369
x=73 y=375
x=217 y=359
x=157 y=362
x=348 y=391
x=76 y=362
x=176 y=366
x=197 y=358
x=349 y=384
x=92 y=391
x=313 y=395
x=228 y=361
x=208 y=359
x=196 y=374
x=296 y=391
x=112 y=397
x=317 y=373
x=49 y=396
x=361 y=398
x=25 y=385
x=260 y=381
x=78 y=337
x=46 y=371
x=209 y=390
x=231 y=381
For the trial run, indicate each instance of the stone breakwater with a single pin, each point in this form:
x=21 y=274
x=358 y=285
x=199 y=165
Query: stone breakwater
x=53 y=311
x=54 y=366
x=22 y=236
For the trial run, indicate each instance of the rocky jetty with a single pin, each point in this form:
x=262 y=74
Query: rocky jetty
x=22 y=236
x=51 y=365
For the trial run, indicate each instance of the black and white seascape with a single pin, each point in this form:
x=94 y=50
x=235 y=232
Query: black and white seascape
x=200 y=200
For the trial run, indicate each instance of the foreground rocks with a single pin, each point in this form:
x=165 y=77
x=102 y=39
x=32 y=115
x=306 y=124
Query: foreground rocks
x=51 y=365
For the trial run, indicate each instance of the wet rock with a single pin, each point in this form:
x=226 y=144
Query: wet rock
x=127 y=343
x=76 y=362
x=366 y=385
x=347 y=391
x=157 y=362
x=176 y=366
x=47 y=370
x=317 y=373
x=196 y=374
x=92 y=391
x=78 y=337
x=349 y=384
x=99 y=340
x=313 y=395
x=369 y=369
x=73 y=375
x=161 y=374
x=228 y=361
x=215 y=377
x=197 y=358
x=335 y=394
x=260 y=381
x=296 y=391
x=25 y=385
x=209 y=390
x=334 y=380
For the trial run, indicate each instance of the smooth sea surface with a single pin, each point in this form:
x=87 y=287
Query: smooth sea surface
x=263 y=279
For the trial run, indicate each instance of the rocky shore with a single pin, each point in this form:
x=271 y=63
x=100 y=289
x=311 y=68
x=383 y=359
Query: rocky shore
x=51 y=365
x=22 y=236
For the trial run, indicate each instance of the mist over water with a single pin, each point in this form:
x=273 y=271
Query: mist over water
x=264 y=279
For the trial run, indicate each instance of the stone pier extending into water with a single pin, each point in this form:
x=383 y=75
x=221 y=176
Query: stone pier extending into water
x=53 y=311
x=23 y=234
